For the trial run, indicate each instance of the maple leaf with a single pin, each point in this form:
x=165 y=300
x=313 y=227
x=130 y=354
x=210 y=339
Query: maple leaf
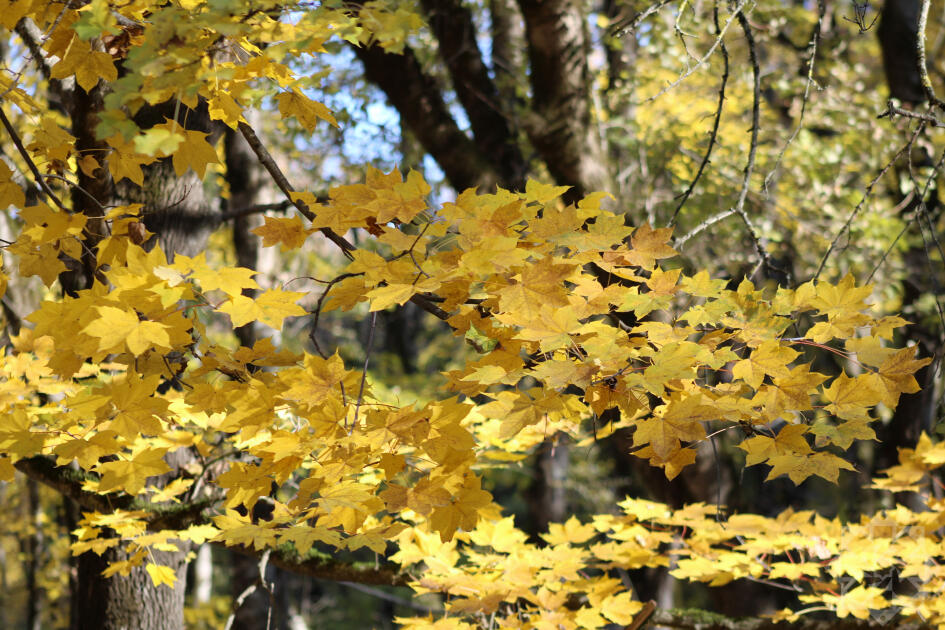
x=125 y=161
x=858 y=602
x=304 y=109
x=117 y=328
x=649 y=245
x=570 y=532
x=769 y=358
x=462 y=510
x=800 y=467
x=789 y=441
x=86 y=64
x=270 y=308
x=844 y=434
x=161 y=574
x=288 y=233
x=896 y=375
x=540 y=286
x=131 y=474
x=852 y=398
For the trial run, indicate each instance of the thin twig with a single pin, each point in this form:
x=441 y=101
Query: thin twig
x=249 y=590
x=866 y=196
x=318 y=312
x=764 y=259
x=892 y=110
x=37 y=176
x=920 y=57
x=679 y=242
x=814 y=43
x=715 y=125
x=270 y=165
x=886 y=253
x=704 y=58
x=77 y=187
x=346 y=247
x=364 y=369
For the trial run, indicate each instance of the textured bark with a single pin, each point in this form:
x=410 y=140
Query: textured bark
x=547 y=499
x=417 y=97
x=35 y=546
x=453 y=26
x=508 y=44
x=243 y=178
x=177 y=211
x=93 y=192
x=897 y=32
x=129 y=602
x=560 y=125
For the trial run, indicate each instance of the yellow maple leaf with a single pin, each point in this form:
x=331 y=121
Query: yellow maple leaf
x=844 y=298
x=222 y=106
x=462 y=511
x=118 y=328
x=621 y=608
x=192 y=151
x=270 y=308
x=800 y=467
x=125 y=161
x=541 y=285
x=305 y=110
x=896 y=376
x=571 y=532
x=664 y=436
x=86 y=64
x=131 y=473
x=857 y=602
x=789 y=441
x=649 y=245
x=852 y=398
x=769 y=358
x=289 y=233
x=844 y=433
x=161 y=574
x=11 y=194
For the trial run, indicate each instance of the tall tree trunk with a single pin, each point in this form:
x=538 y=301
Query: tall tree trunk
x=129 y=602
x=243 y=178
x=898 y=32
x=177 y=211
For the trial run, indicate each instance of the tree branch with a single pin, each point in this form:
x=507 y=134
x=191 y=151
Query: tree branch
x=324 y=567
x=419 y=101
x=346 y=247
x=452 y=24
x=560 y=125
x=43 y=186
x=69 y=482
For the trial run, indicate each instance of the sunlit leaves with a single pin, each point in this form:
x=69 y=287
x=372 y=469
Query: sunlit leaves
x=573 y=313
x=270 y=308
x=117 y=329
x=307 y=111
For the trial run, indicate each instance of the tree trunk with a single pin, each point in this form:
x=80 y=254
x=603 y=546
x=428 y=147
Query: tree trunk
x=129 y=602
x=898 y=33
x=177 y=211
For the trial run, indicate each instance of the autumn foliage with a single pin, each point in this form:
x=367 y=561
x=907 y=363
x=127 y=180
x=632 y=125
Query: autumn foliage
x=568 y=314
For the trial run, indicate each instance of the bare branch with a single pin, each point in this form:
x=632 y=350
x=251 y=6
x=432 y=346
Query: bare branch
x=814 y=43
x=920 y=57
x=715 y=125
x=37 y=176
x=866 y=195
